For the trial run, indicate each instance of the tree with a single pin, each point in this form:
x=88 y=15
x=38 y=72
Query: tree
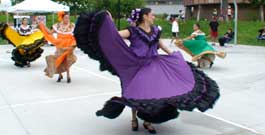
x=260 y=4
x=16 y=1
x=77 y=6
x=126 y=6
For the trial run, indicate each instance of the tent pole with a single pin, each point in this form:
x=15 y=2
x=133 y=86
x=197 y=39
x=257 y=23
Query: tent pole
x=235 y=21
x=7 y=17
x=52 y=17
x=17 y=19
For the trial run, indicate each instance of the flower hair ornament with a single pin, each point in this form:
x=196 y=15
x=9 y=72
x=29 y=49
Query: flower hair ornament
x=135 y=15
x=60 y=15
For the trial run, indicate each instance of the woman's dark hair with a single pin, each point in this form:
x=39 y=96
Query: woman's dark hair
x=144 y=11
x=24 y=18
x=66 y=13
x=198 y=25
x=230 y=29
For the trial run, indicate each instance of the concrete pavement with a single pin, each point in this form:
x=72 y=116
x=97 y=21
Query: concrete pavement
x=32 y=104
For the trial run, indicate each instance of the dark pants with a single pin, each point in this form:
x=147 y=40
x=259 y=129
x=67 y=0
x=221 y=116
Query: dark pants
x=224 y=40
x=261 y=37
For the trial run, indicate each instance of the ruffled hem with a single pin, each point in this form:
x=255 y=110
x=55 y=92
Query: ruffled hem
x=219 y=54
x=37 y=44
x=203 y=96
x=22 y=60
x=202 y=54
x=86 y=35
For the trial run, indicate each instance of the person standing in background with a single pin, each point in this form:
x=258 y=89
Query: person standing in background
x=214 y=30
x=182 y=15
x=174 y=29
x=229 y=13
x=215 y=13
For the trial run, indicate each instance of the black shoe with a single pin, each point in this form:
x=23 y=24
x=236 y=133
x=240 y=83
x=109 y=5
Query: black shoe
x=135 y=125
x=211 y=64
x=28 y=64
x=60 y=78
x=69 y=80
x=150 y=129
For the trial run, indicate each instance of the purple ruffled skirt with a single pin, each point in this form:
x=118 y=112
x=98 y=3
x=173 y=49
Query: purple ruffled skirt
x=158 y=87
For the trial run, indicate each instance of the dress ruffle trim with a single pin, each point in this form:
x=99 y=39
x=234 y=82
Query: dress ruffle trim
x=86 y=35
x=22 y=60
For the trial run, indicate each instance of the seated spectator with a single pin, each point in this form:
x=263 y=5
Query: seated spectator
x=261 y=34
x=228 y=36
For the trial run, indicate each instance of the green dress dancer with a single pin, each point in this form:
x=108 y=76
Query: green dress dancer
x=200 y=50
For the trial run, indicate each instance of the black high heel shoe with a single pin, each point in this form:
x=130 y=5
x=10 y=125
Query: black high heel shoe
x=149 y=127
x=135 y=125
x=211 y=64
x=69 y=80
x=60 y=78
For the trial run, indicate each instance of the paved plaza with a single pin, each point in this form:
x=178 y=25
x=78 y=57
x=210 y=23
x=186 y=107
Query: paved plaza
x=33 y=104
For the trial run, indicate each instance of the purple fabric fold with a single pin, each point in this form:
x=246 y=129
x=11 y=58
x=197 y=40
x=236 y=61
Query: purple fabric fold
x=144 y=74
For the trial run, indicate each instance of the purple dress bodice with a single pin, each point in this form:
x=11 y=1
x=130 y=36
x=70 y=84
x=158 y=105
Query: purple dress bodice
x=144 y=44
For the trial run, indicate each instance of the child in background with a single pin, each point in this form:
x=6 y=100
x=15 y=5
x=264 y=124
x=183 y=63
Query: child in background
x=174 y=29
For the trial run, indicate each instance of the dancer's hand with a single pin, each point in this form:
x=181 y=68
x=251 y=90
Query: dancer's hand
x=109 y=15
x=178 y=41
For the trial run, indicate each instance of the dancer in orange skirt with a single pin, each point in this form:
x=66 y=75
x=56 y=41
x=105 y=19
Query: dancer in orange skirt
x=65 y=44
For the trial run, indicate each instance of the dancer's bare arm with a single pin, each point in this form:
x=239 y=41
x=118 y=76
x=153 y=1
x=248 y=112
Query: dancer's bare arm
x=190 y=37
x=124 y=33
x=164 y=47
x=47 y=29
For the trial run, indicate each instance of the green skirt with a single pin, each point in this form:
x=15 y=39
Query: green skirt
x=197 y=47
x=201 y=49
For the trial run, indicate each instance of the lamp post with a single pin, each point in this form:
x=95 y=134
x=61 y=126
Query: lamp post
x=119 y=14
x=235 y=21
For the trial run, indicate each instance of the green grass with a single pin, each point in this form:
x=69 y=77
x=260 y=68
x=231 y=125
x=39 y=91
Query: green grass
x=247 y=30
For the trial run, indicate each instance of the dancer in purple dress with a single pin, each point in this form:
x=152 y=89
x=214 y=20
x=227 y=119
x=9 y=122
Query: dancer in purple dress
x=155 y=86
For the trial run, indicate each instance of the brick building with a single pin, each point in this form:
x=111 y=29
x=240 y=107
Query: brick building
x=204 y=8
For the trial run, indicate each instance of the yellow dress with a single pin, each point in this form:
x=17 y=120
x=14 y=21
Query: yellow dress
x=27 y=46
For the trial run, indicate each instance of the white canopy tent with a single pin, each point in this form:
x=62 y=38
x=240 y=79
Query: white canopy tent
x=5 y=4
x=37 y=6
